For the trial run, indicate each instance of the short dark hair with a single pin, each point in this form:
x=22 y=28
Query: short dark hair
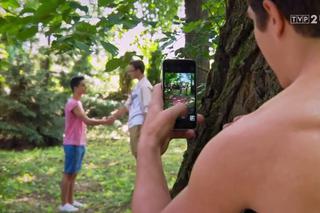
x=288 y=8
x=138 y=64
x=75 y=81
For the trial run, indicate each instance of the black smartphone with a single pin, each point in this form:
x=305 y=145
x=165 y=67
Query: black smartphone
x=179 y=85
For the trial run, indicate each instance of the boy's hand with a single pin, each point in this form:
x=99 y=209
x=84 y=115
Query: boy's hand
x=108 y=120
x=157 y=129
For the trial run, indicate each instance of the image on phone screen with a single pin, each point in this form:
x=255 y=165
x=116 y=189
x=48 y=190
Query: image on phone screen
x=179 y=87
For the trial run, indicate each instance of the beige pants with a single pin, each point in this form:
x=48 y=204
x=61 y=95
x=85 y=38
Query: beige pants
x=134 y=138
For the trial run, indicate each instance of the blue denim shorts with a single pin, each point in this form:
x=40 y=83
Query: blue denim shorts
x=73 y=158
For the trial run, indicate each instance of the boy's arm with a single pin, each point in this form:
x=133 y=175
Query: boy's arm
x=120 y=112
x=218 y=182
x=91 y=121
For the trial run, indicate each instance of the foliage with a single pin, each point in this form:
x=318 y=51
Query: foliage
x=154 y=70
x=32 y=94
x=120 y=62
x=98 y=107
x=120 y=65
x=32 y=99
x=208 y=26
x=152 y=51
x=29 y=180
x=160 y=13
x=43 y=43
x=31 y=111
x=69 y=24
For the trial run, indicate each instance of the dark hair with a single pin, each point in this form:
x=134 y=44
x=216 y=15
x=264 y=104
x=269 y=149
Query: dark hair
x=75 y=81
x=289 y=8
x=138 y=64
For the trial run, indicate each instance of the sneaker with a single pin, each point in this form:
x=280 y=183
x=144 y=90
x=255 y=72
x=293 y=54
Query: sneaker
x=78 y=204
x=68 y=208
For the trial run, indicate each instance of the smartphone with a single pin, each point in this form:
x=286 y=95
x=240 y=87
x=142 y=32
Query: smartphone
x=179 y=86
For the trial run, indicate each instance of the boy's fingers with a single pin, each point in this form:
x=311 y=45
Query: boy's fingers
x=200 y=119
x=172 y=113
x=156 y=103
x=188 y=134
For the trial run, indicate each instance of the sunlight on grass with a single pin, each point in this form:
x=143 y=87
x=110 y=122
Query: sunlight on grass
x=91 y=166
x=29 y=180
x=51 y=171
x=26 y=178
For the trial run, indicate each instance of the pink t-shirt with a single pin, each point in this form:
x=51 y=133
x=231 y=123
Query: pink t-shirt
x=75 y=129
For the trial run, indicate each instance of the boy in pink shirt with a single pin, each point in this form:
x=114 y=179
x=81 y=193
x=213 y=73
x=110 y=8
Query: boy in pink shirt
x=74 y=142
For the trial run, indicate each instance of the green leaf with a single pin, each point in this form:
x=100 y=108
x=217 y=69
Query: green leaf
x=115 y=18
x=128 y=57
x=25 y=20
x=7 y=4
x=55 y=26
x=152 y=23
x=166 y=44
x=27 y=32
x=46 y=10
x=27 y=10
x=192 y=26
x=130 y=23
x=113 y=64
x=106 y=3
x=82 y=46
x=77 y=5
x=86 y=28
x=110 y=48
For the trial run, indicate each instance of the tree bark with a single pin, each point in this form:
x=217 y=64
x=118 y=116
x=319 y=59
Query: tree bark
x=238 y=83
x=125 y=82
x=197 y=44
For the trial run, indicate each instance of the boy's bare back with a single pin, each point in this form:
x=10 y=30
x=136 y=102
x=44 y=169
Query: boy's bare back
x=268 y=160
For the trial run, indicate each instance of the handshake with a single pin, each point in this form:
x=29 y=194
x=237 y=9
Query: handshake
x=114 y=116
x=108 y=120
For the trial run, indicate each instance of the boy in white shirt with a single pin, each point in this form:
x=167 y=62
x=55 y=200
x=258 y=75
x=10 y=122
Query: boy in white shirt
x=137 y=103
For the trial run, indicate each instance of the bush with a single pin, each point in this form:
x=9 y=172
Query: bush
x=31 y=114
x=32 y=100
x=31 y=105
x=98 y=107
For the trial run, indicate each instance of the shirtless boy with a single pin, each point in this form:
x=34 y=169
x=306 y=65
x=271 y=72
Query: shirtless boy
x=267 y=161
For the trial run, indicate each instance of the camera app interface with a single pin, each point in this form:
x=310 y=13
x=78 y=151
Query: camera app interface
x=180 y=88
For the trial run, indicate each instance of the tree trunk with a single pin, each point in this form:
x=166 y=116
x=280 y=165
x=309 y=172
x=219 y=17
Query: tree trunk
x=238 y=83
x=125 y=83
x=154 y=71
x=197 y=44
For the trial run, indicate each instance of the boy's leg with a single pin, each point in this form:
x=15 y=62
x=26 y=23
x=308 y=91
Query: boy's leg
x=134 y=138
x=79 y=155
x=69 y=171
x=71 y=188
x=65 y=188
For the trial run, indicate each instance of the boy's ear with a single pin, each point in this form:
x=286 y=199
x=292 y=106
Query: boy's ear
x=276 y=19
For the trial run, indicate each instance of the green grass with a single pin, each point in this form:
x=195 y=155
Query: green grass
x=29 y=180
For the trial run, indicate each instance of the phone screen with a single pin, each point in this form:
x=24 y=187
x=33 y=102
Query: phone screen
x=179 y=77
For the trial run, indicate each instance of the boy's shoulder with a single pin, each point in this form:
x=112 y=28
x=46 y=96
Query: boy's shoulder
x=71 y=103
x=72 y=100
x=146 y=84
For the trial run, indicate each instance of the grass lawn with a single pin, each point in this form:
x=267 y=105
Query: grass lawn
x=29 y=180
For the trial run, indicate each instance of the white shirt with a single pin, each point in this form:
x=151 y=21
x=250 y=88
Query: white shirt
x=138 y=102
